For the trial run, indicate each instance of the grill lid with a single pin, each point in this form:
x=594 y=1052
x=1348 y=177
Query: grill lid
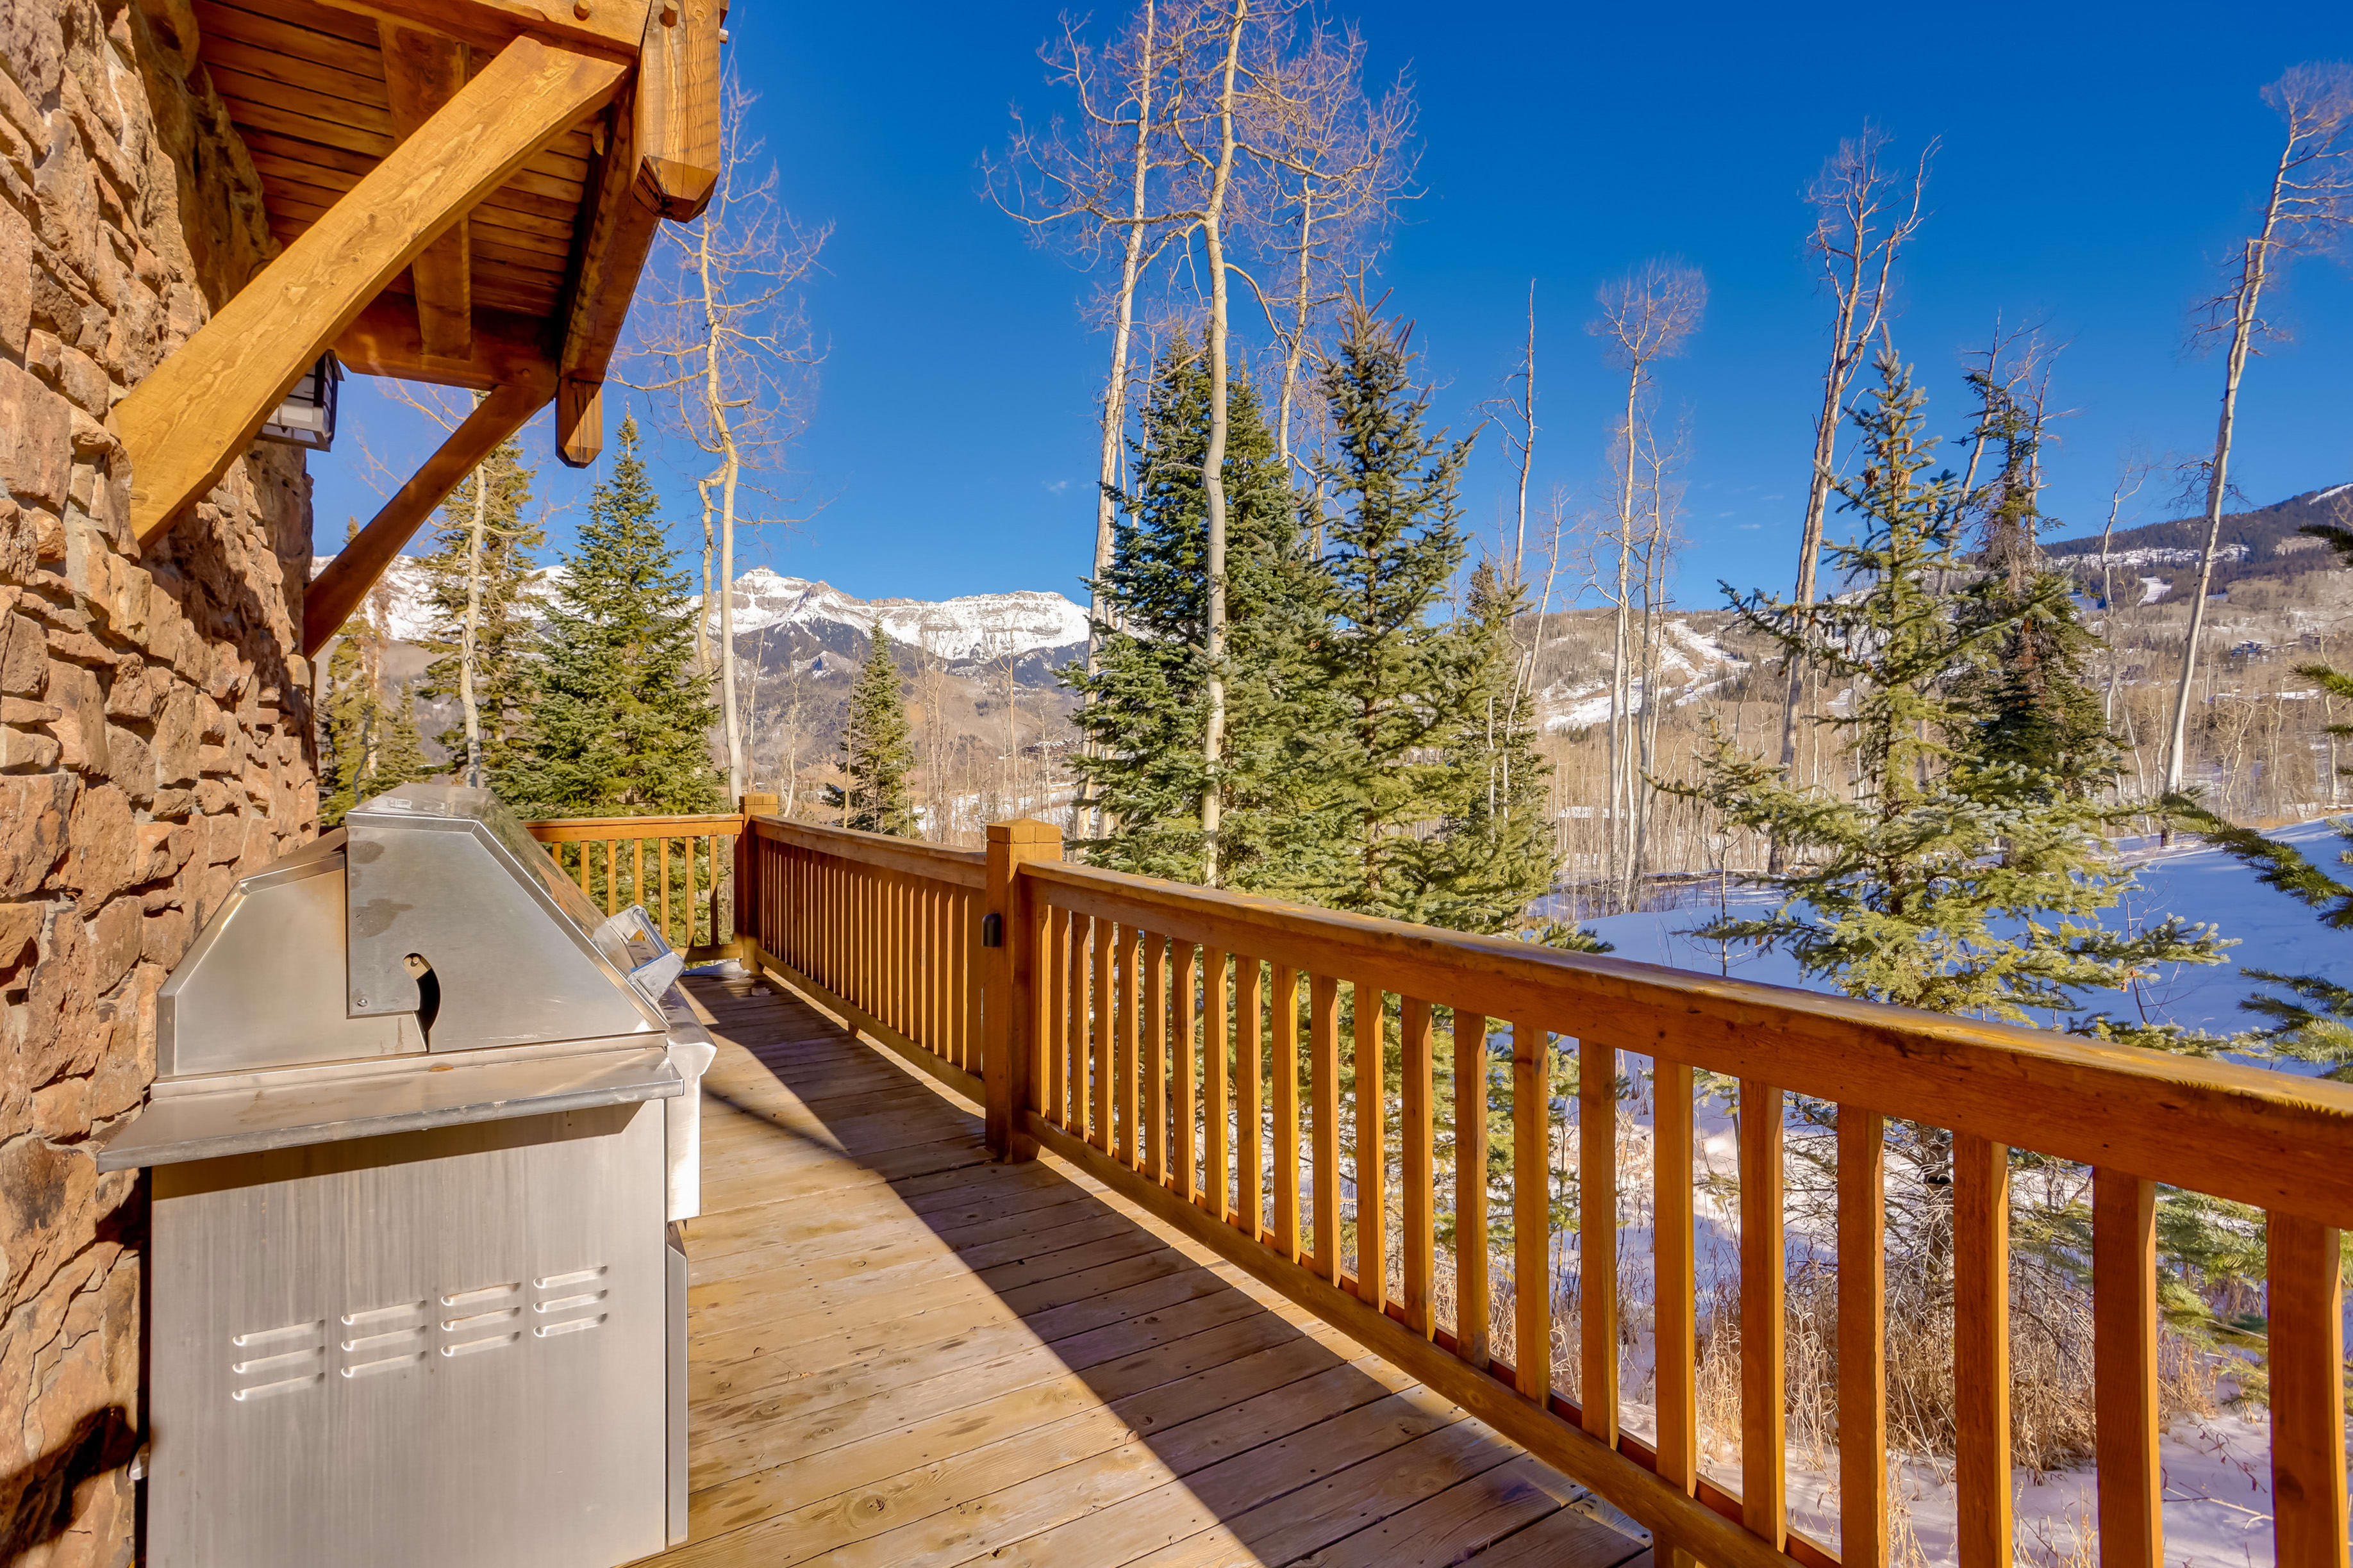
x=429 y=926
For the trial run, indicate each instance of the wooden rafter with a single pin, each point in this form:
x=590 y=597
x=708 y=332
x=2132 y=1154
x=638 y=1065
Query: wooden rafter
x=337 y=591
x=205 y=402
x=422 y=72
x=611 y=27
x=504 y=349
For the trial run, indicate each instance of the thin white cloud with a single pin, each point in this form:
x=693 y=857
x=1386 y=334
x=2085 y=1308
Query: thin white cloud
x=1056 y=486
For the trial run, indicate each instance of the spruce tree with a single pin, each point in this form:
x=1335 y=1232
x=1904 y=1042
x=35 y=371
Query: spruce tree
x=1146 y=708
x=876 y=757
x=1496 y=851
x=368 y=740
x=622 y=724
x=1400 y=681
x=489 y=569
x=1956 y=880
x=2028 y=691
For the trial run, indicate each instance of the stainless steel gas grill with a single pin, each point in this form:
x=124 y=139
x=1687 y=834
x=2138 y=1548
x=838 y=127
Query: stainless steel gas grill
x=423 y=1124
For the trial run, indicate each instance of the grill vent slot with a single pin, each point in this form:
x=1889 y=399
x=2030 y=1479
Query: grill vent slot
x=283 y=1359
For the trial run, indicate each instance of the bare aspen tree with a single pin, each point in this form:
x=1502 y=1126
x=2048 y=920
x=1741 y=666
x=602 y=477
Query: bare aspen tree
x=1525 y=437
x=735 y=361
x=1864 y=214
x=1648 y=315
x=2132 y=472
x=1662 y=508
x=1102 y=179
x=2309 y=207
x=1330 y=165
x=1213 y=457
x=440 y=409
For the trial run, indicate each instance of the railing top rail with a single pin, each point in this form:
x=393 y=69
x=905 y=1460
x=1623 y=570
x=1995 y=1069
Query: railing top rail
x=959 y=868
x=2260 y=1137
x=572 y=829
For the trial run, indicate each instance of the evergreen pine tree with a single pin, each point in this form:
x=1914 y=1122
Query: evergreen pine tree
x=876 y=757
x=1146 y=705
x=1954 y=880
x=1401 y=683
x=400 y=750
x=368 y=740
x=2029 y=692
x=504 y=639
x=622 y=725
x=1496 y=851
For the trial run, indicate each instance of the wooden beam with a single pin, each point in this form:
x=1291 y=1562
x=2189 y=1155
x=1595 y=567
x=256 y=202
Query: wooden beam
x=422 y=72
x=616 y=233
x=204 y=405
x=678 y=104
x=337 y=591
x=611 y=28
x=579 y=421
x=661 y=160
x=505 y=350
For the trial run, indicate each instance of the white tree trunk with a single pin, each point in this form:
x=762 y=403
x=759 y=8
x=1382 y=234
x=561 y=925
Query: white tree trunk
x=469 y=638
x=2249 y=295
x=1213 y=459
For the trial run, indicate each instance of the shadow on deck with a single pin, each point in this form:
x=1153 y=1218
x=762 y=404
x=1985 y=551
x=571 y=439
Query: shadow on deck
x=904 y=1355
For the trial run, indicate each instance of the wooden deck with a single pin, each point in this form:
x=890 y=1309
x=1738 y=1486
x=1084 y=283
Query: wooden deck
x=904 y=1355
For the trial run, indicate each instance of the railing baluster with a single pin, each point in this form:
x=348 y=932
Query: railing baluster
x=1531 y=1209
x=2124 y=1368
x=1324 y=1088
x=1152 y=1143
x=2304 y=1291
x=1103 y=932
x=1414 y=1175
x=666 y=926
x=1471 y=1297
x=1596 y=1236
x=612 y=876
x=1215 y=1092
x=1283 y=1016
x=967 y=948
x=1862 y=1338
x=1250 y=1132
x=1081 y=1019
x=1981 y=1349
x=1189 y=973
x=1763 y=1484
x=1055 y=954
x=1122 y=990
x=1674 y=1278
x=1371 y=1147
x=583 y=870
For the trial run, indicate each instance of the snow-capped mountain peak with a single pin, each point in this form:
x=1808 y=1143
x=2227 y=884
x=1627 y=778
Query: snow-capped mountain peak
x=974 y=626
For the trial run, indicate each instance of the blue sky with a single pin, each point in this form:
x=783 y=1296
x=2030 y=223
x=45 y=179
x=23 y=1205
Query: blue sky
x=2096 y=161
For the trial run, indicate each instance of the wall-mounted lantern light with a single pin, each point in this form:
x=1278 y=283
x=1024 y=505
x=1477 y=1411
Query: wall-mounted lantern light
x=307 y=417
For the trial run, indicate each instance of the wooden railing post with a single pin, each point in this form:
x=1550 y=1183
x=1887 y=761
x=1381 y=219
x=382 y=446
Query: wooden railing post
x=747 y=880
x=1010 y=1035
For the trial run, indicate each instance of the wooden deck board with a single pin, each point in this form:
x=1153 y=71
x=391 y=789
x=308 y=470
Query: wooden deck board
x=903 y=1353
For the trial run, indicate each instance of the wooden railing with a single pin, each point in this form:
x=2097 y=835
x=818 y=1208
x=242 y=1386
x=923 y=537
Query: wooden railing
x=673 y=866
x=1152 y=1034
x=885 y=931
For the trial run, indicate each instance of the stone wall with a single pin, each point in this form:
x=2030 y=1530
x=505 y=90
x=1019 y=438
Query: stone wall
x=154 y=719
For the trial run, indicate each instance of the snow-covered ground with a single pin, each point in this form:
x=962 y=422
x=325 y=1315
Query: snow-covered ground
x=2195 y=882
x=2216 y=1472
